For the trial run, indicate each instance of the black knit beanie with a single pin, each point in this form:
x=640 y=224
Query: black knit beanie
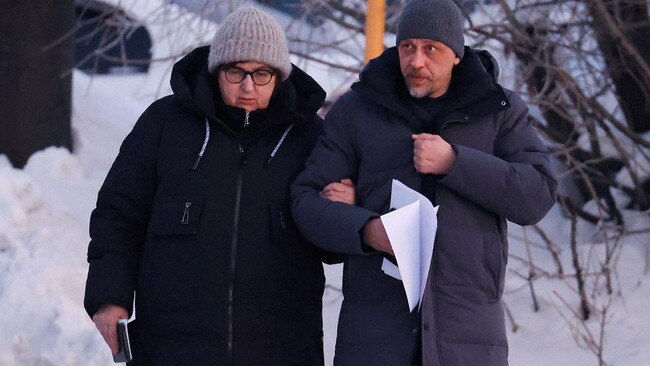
x=439 y=20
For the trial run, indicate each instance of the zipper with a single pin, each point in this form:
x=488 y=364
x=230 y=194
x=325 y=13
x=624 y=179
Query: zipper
x=233 y=256
x=246 y=118
x=233 y=251
x=186 y=213
x=433 y=326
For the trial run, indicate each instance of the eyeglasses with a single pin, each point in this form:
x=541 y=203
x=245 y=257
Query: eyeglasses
x=236 y=75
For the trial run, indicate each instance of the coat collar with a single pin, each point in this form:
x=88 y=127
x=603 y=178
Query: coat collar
x=296 y=100
x=474 y=91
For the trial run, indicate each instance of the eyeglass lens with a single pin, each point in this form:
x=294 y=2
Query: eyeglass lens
x=236 y=75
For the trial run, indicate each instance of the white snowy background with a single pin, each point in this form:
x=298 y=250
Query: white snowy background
x=45 y=208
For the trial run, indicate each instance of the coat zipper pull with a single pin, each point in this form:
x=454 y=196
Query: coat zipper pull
x=246 y=119
x=242 y=155
x=186 y=213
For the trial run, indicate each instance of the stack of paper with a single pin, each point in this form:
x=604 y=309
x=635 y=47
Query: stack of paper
x=411 y=229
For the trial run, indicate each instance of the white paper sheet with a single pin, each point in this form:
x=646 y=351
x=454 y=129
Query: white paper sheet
x=390 y=269
x=411 y=229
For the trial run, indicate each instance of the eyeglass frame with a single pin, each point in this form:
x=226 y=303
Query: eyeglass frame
x=225 y=69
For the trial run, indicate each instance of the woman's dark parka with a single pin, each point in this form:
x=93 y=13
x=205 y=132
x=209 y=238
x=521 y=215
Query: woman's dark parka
x=194 y=219
x=501 y=172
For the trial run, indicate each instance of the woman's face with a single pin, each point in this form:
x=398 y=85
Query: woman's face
x=239 y=84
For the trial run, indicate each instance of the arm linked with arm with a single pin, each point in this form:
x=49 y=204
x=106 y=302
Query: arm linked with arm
x=333 y=226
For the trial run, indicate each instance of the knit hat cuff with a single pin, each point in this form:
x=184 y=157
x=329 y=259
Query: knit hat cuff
x=252 y=50
x=424 y=28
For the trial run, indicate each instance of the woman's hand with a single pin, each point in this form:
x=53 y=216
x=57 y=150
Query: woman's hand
x=105 y=320
x=340 y=192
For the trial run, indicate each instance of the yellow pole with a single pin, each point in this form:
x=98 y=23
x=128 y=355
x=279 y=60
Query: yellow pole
x=375 y=26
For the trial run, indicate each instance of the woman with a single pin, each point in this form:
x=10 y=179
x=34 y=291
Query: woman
x=194 y=214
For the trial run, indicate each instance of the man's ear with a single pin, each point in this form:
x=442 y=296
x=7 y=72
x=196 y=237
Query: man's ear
x=456 y=60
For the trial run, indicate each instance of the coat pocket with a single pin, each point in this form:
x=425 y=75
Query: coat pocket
x=494 y=263
x=176 y=215
x=169 y=270
x=469 y=256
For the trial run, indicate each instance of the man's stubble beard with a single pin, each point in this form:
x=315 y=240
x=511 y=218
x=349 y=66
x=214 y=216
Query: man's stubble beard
x=419 y=92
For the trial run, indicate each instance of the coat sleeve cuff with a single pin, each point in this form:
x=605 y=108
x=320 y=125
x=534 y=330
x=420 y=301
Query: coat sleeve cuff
x=339 y=228
x=109 y=282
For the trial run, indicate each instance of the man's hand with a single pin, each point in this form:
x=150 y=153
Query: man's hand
x=432 y=154
x=374 y=235
x=340 y=192
x=105 y=320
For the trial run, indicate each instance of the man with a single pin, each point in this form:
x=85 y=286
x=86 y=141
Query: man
x=430 y=114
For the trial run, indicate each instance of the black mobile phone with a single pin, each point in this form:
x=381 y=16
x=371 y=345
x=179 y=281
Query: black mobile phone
x=124 y=354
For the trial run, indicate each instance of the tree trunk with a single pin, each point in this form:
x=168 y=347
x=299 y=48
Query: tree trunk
x=622 y=33
x=35 y=64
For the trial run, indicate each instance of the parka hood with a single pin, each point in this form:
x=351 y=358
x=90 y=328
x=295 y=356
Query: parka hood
x=194 y=88
x=474 y=89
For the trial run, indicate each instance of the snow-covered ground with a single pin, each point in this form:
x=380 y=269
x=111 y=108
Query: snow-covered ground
x=45 y=207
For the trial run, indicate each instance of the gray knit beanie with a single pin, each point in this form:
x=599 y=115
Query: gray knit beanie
x=439 y=20
x=250 y=34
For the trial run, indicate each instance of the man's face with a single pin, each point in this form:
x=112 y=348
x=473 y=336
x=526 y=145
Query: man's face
x=426 y=66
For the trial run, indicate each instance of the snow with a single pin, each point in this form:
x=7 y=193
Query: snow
x=45 y=208
x=545 y=337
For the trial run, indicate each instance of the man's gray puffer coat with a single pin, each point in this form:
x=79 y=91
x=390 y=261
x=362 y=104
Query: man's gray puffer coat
x=502 y=172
